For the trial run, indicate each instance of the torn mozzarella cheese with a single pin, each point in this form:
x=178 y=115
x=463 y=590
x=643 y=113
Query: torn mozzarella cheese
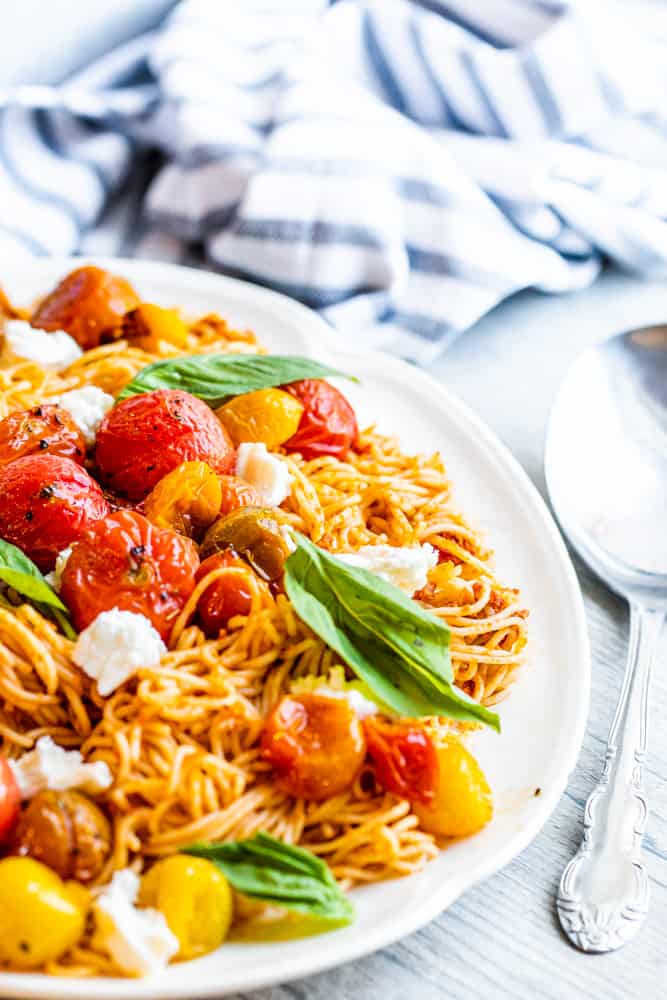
x=87 y=407
x=362 y=706
x=406 y=568
x=55 y=577
x=50 y=766
x=266 y=472
x=55 y=350
x=138 y=940
x=115 y=645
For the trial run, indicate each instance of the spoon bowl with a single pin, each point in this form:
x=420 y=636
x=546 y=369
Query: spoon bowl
x=606 y=470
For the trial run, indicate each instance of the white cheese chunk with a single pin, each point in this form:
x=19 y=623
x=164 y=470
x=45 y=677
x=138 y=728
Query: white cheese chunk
x=266 y=472
x=50 y=766
x=55 y=577
x=138 y=940
x=50 y=350
x=406 y=568
x=360 y=704
x=87 y=407
x=115 y=645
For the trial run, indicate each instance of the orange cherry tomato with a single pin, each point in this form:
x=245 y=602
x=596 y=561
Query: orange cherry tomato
x=405 y=759
x=143 y=438
x=315 y=744
x=149 y=324
x=267 y=415
x=86 y=303
x=42 y=429
x=236 y=493
x=10 y=800
x=47 y=503
x=227 y=596
x=187 y=499
x=328 y=425
x=463 y=802
x=126 y=562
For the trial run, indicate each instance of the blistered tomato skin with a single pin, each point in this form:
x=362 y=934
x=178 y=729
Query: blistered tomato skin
x=66 y=831
x=236 y=493
x=87 y=303
x=405 y=758
x=10 y=800
x=227 y=596
x=315 y=744
x=328 y=425
x=45 y=429
x=47 y=503
x=128 y=563
x=187 y=499
x=144 y=437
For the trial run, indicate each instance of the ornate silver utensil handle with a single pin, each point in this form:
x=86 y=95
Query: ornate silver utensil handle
x=604 y=891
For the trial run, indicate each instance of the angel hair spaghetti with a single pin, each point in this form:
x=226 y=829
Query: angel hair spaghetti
x=230 y=619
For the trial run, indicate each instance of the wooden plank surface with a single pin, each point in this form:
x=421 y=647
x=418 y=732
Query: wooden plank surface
x=502 y=941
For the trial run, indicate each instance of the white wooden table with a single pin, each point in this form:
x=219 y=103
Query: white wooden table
x=502 y=941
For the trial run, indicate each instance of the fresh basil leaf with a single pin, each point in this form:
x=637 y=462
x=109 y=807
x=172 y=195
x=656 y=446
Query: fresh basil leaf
x=217 y=377
x=267 y=869
x=20 y=573
x=400 y=650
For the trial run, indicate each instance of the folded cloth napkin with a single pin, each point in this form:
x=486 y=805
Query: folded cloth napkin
x=399 y=166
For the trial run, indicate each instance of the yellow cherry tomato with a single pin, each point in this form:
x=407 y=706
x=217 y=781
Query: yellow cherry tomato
x=195 y=900
x=270 y=416
x=151 y=324
x=40 y=915
x=187 y=499
x=462 y=803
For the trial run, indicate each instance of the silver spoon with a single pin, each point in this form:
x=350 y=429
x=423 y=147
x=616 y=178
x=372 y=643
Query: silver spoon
x=606 y=469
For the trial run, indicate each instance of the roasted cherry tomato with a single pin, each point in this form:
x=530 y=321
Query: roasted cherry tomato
x=227 y=596
x=126 y=562
x=10 y=800
x=328 y=425
x=47 y=503
x=87 y=303
x=45 y=428
x=237 y=493
x=66 y=831
x=143 y=438
x=315 y=744
x=462 y=803
x=195 y=899
x=406 y=762
x=267 y=415
x=40 y=915
x=150 y=324
x=254 y=533
x=187 y=499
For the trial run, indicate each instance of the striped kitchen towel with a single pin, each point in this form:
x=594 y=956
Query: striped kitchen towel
x=399 y=166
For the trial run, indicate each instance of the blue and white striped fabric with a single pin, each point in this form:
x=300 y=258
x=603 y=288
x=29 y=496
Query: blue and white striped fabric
x=399 y=166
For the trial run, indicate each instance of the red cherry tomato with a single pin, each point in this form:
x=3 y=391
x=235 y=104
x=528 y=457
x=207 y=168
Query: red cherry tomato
x=86 y=303
x=47 y=503
x=315 y=744
x=126 y=562
x=227 y=596
x=328 y=425
x=10 y=800
x=406 y=761
x=236 y=493
x=145 y=437
x=45 y=428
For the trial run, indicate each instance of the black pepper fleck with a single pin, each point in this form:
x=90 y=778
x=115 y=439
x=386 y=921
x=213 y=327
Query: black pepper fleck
x=538 y=791
x=137 y=551
x=43 y=444
x=29 y=515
